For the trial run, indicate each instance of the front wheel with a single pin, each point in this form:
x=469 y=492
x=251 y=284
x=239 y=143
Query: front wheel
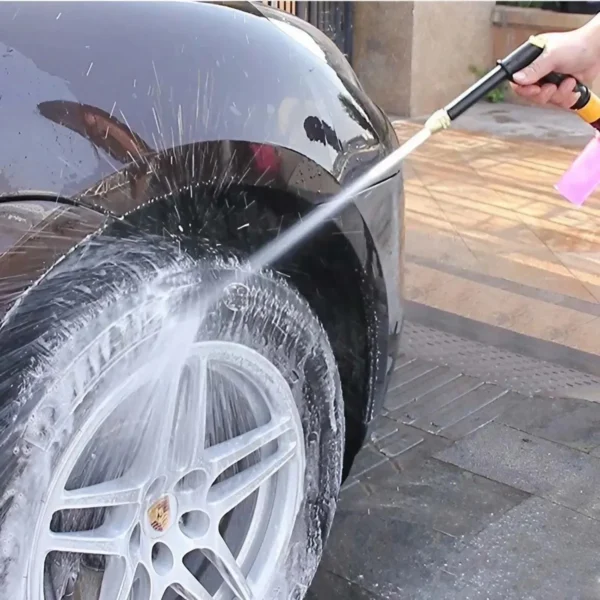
x=164 y=451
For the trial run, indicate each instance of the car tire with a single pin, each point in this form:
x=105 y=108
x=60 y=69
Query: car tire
x=102 y=359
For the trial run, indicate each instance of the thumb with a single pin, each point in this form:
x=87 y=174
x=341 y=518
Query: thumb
x=535 y=71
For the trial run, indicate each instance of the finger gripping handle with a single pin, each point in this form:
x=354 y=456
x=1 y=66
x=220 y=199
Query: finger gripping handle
x=587 y=105
x=558 y=78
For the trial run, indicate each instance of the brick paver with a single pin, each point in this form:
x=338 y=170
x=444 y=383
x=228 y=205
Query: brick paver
x=507 y=250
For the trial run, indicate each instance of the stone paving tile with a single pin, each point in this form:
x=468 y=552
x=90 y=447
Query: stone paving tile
x=353 y=491
x=386 y=556
x=482 y=417
x=407 y=445
x=459 y=409
x=492 y=304
x=426 y=518
x=537 y=551
x=406 y=448
x=367 y=458
x=328 y=586
x=384 y=429
x=430 y=445
x=556 y=472
x=387 y=470
x=402 y=441
x=410 y=391
x=573 y=422
x=405 y=374
x=433 y=400
x=439 y=496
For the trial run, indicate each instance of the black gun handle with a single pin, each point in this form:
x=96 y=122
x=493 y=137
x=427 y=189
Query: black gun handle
x=523 y=56
x=584 y=91
x=587 y=106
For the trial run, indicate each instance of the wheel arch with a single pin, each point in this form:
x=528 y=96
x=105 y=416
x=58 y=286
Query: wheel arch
x=236 y=196
x=244 y=195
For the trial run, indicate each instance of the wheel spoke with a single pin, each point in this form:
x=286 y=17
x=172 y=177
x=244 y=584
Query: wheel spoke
x=157 y=590
x=161 y=455
x=228 y=453
x=226 y=495
x=187 y=586
x=224 y=561
x=117 y=581
x=164 y=407
x=110 y=493
x=97 y=541
x=190 y=500
x=164 y=401
x=190 y=422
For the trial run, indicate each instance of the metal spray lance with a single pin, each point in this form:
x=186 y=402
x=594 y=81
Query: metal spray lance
x=587 y=107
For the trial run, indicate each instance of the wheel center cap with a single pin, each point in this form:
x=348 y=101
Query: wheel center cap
x=160 y=515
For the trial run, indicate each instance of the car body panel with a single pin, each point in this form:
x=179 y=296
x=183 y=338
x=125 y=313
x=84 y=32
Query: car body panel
x=105 y=108
x=34 y=236
x=94 y=94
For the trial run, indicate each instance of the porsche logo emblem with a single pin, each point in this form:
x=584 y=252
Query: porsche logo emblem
x=159 y=515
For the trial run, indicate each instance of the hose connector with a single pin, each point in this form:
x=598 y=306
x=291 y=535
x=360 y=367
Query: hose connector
x=438 y=121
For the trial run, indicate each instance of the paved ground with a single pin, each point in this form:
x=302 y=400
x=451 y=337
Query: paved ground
x=508 y=251
x=471 y=490
x=481 y=479
x=523 y=122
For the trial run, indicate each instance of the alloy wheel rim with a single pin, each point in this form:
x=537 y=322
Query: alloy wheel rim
x=172 y=500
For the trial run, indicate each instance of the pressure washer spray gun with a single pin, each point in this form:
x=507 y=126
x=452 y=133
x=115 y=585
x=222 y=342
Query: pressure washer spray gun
x=576 y=184
x=580 y=180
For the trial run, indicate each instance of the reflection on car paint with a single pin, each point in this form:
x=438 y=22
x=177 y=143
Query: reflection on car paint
x=164 y=135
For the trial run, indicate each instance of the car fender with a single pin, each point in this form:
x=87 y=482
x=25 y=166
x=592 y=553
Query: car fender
x=126 y=108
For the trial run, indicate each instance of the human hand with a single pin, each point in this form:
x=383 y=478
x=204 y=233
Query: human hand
x=575 y=53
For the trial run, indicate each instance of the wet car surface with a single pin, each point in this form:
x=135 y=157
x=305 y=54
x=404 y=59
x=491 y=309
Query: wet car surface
x=140 y=168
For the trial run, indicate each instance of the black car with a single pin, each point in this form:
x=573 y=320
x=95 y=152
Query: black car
x=154 y=444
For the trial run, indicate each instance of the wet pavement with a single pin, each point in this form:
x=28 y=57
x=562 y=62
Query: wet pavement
x=468 y=490
x=481 y=478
